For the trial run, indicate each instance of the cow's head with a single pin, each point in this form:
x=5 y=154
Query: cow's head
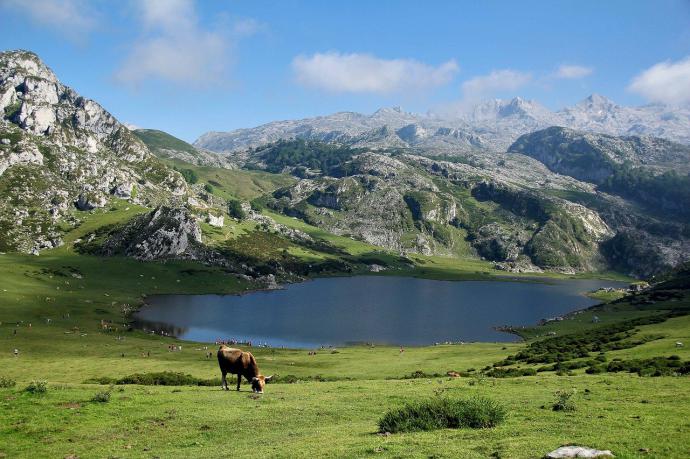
x=258 y=383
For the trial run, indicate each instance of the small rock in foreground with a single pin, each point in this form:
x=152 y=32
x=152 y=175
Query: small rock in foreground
x=577 y=451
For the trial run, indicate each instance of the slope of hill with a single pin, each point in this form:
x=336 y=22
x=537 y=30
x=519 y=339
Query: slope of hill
x=165 y=145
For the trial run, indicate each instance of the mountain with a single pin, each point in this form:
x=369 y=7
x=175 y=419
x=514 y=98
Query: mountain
x=519 y=209
x=649 y=171
x=167 y=146
x=599 y=114
x=413 y=204
x=60 y=154
x=492 y=126
x=594 y=157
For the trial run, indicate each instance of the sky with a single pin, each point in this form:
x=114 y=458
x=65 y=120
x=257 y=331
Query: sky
x=188 y=67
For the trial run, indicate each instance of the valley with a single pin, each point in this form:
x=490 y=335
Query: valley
x=95 y=218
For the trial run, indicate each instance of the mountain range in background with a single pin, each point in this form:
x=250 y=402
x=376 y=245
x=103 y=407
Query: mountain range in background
x=492 y=125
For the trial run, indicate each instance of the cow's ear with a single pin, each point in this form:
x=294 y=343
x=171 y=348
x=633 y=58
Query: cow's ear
x=255 y=379
x=268 y=378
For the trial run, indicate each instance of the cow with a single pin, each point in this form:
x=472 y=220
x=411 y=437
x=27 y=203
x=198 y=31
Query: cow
x=240 y=363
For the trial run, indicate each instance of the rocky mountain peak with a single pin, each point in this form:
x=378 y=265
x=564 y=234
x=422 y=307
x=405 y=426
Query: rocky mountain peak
x=387 y=110
x=597 y=103
x=60 y=151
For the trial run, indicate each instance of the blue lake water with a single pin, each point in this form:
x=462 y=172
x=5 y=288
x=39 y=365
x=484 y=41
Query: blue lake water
x=367 y=309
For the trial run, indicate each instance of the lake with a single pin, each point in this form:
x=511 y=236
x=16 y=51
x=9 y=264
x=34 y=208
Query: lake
x=367 y=309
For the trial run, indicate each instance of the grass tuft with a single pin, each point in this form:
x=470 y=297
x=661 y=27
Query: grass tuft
x=443 y=413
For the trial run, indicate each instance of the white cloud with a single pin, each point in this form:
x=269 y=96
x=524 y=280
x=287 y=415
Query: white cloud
x=169 y=15
x=365 y=73
x=484 y=86
x=175 y=47
x=247 y=27
x=667 y=82
x=572 y=72
x=69 y=17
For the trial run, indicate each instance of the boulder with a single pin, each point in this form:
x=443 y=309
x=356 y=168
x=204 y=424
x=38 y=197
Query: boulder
x=577 y=451
x=89 y=201
x=216 y=221
x=123 y=190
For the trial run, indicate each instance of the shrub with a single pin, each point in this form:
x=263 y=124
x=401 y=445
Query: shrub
x=287 y=379
x=209 y=188
x=101 y=397
x=37 y=387
x=189 y=175
x=564 y=400
x=443 y=413
x=235 y=209
x=6 y=383
x=511 y=372
x=594 y=370
x=166 y=378
x=421 y=374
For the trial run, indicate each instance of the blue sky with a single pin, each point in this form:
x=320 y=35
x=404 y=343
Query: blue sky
x=188 y=67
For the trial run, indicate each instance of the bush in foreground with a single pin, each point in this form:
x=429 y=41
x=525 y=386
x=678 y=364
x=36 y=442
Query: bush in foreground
x=164 y=378
x=564 y=400
x=443 y=413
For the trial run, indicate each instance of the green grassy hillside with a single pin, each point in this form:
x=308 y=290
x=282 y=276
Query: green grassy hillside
x=159 y=140
x=329 y=403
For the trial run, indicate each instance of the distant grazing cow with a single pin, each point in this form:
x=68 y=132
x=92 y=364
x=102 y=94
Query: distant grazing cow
x=241 y=363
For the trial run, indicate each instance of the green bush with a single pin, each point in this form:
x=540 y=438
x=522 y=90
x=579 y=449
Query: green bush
x=420 y=374
x=166 y=378
x=564 y=400
x=37 y=387
x=101 y=397
x=655 y=366
x=7 y=383
x=287 y=379
x=510 y=372
x=189 y=175
x=443 y=413
x=235 y=209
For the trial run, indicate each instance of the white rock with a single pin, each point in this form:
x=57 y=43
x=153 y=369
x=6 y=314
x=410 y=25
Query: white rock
x=216 y=221
x=124 y=190
x=578 y=451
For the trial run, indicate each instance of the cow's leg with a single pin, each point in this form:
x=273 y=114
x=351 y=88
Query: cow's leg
x=224 y=384
x=239 y=380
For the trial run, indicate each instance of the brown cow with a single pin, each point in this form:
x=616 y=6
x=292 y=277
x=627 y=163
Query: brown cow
x=240 y=363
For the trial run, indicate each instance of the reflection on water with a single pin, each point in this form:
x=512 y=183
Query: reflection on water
x=373 y=309
x=159 y=328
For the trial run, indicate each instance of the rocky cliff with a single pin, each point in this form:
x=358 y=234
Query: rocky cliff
x=594 y=157
x=61 y=153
